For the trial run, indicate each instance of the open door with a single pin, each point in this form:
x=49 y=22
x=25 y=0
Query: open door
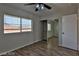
x=69 y=31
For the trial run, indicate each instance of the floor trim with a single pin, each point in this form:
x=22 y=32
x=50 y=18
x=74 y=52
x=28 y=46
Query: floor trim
x=68 y=48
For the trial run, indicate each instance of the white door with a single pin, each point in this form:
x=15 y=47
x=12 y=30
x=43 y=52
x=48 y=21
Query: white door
x=69 y=31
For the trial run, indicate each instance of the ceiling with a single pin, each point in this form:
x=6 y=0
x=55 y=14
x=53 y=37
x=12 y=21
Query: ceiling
x=57 y=8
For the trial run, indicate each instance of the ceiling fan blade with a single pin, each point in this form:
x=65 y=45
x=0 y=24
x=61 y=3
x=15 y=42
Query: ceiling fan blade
x=48 y=7
x=29 y=4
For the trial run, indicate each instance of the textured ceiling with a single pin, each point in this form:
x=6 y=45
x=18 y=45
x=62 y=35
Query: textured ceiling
x=57 y=8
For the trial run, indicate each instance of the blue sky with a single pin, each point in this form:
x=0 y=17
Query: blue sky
x=16 y=20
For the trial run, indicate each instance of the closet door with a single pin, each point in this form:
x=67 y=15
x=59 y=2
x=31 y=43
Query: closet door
x=69 y=31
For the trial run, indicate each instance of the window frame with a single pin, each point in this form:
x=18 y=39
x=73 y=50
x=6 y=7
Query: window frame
x=31 y=25
x=20 y=25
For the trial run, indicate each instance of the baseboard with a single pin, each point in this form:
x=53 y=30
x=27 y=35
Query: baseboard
x=36 y=41
x=69 y=48
x=60 y=44
x=52 y=37
x=55 y=36
x=17 y=48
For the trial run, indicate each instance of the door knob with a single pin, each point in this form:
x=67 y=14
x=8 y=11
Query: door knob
x=62 y=32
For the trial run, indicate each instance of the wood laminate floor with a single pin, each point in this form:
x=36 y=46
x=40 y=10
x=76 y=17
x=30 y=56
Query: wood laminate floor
x=43 y=49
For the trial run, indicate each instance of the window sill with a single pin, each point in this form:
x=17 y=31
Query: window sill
x=18 y=32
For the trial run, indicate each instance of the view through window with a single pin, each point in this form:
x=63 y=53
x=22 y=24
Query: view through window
x=12 y=24
x=49 y=27
x=26 y=25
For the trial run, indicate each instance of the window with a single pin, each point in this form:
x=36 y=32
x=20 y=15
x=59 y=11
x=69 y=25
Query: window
x=14 y=24
x=49 y=27
x=11 y=24
x=26 y=25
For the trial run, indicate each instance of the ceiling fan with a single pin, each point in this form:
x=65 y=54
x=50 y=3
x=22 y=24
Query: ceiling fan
x=39 y=6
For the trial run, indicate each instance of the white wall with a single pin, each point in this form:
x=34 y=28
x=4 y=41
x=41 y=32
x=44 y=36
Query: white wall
x=78 y=28
x=60 y=31
x=12 y=41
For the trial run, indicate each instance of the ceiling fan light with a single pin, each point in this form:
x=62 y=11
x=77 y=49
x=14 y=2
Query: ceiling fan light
x=37 y=6
x=42 y=6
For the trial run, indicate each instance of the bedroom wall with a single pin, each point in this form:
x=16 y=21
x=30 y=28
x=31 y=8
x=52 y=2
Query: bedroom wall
x=56 y=27
x=9 y=42
x=78 y=28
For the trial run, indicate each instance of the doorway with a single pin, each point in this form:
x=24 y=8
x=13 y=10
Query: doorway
x=44 y=30
x=53 y=33
x=55 y=40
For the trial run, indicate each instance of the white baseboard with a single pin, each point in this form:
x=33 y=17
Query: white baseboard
x=60 y=44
